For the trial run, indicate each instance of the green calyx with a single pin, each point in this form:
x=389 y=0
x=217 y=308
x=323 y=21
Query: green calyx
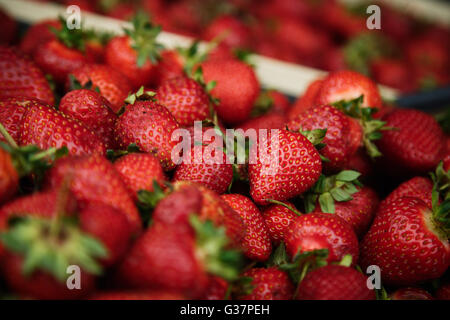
x=316 y=137
x=441 y=190
x=143 y=39
x=141 y=95
x=263 y=104
x=74 y=84
x=327 y=190
x=371 y=127
x=72 y=38
x=149 y=199
x=52 y=251
x=113 y=155
x=212 y=249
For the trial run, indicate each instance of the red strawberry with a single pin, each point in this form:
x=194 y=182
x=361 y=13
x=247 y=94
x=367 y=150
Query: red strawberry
x=406 y=242
x=315 y=231
x=136 y=295
x=9 y=28
x=417 y=143
x=267 y=121
x=139 y=171
x=278 y=218
x=206 y=165
x=281 y=103
x=417 y=187
x=411 y=293
x=359 y=211
x=256 y=244
x=392 y=73
x=169 y=66
x=186 y=100
x=9 y=178
x=94 y=179
x=282 y=170
x=11 y=113
x=335 y=282
x=135 y=54
x=45 y=127
x=446 y=161
x=217 y=289
x=443 y=293
x=426 y=52
x=338 y=141
x=150 y=126
x=267 y=284
x=92 y=110
x=348 y=85
x=38 y=34
x=307 y=100
x=21 y=77
x=234 y=33
x=167 y=258
x=236 y=96
x=112 y=85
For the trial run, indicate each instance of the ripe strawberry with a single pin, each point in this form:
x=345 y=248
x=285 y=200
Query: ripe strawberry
x=348 y=85
x=266 y=284
x=94 y=179
x=112 y=85
x=150 y=126
x=45 y=127
x=11 y=113
x=9 y=179
x=135 y=54
x=232 y=32
x=59 y=57
x=359 y=211
x=417 y=144
x=93 y=111
x=282 y=170
x=207 y=166
x=411 y=293
x=392 y=73
x=9 y=28
x=417 y=187
x=280 y=102
x=406 y=241
x=339 y=144
x=267 y=121
x=236 y=97
x=217 y=210
x=21 y=77
x=315 y=231
x=38 y=34
x=136 y=295
x=139 y=171
x=217 y=289
x=167 y=258
x=307 y=100
x=428 y=53
x=335 y=282
x=169 y=66
x=278 y=218
x=186 y=100
x=256 y=244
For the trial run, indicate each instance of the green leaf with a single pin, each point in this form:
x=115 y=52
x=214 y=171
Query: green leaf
x=348 y=175
x=340 y=195
x=326 y=203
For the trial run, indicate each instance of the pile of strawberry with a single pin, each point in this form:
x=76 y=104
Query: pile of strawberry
x=88 y=178
x=406 y=53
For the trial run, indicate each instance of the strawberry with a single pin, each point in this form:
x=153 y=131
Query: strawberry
x=307 y=100
x=266 y=284
x=315 y=231
x=136 y=295
x=9 y=28
x=335 y=282
x=338 y=140
x=282 y=170
x=150 y=126
x=43 y=126
x=11 y=113
x=443 y=293
x=135 y=54
x=21 y=77
x=94 y=179
x=359 y=211
x=267 y=121
x=278 y=218
x=169 y=66
x=139 y=171
x=9 y=179
x=425 y=52
x=411 y=293
x=417 y=143
x=93 y=111
x=407 y=240
x=392 y=73
x=207 y=166
x=348 y=85
x=217 y=289
x=417 y=187
x=186 y=100
x=232 y=32
x=166 y=258
x=236 y=97
x=280 y=102
x=112 y=85
x=59 y=57
x=38 y=34
x=256 y=244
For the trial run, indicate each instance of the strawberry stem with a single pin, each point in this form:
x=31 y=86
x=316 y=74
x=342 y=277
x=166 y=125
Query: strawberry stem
x=7 y=136
x=298 y=213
